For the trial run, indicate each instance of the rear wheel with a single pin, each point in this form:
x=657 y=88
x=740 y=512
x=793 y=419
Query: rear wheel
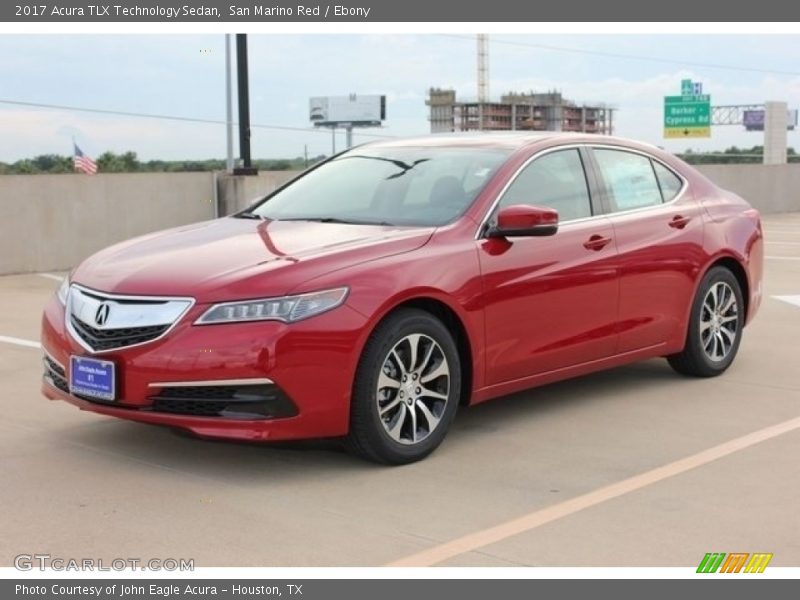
x=715 y=328
x=406 y=391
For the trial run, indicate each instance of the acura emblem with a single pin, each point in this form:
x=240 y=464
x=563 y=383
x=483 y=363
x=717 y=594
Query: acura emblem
x=101 y=316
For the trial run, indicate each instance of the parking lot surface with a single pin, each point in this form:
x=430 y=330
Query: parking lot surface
x=501 y=490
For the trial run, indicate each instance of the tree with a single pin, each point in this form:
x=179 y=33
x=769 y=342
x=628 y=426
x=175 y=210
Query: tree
x=128 y=162
x=108 y=162
x=24 y=166
x=52 y=163
x=732 y=155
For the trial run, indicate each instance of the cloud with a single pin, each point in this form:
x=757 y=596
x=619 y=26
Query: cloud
x=168 y=75
x=51 y=131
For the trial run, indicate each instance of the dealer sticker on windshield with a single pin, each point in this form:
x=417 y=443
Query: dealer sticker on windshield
x=92 y=377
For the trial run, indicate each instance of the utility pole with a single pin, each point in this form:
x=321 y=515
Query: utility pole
x=246 y=167
x=228 y=104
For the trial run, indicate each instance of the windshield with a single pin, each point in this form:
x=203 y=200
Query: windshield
x=394 y=186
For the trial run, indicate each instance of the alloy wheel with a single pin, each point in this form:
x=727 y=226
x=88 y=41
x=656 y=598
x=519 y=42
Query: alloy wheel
x=719 y=321
x=413 y=389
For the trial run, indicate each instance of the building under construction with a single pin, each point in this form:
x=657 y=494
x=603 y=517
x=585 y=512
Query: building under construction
x=517 y=112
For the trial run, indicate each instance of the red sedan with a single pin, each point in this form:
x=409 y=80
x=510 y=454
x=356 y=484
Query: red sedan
x=383 y=288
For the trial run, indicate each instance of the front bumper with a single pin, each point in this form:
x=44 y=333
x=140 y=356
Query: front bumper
x=302 y=371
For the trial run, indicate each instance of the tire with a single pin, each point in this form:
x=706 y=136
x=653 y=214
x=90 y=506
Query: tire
x=404 y=421
x=713 y=338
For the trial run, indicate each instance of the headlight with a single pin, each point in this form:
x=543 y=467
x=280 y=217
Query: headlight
x=287 y=309
x=63 y=290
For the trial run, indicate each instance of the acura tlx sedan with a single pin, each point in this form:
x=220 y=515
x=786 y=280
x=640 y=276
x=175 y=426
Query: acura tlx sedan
x=371 y=296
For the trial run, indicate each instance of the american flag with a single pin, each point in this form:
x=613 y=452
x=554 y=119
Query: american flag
x=83 y=162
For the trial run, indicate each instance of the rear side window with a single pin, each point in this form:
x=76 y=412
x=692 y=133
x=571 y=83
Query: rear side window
x=556 y=180
x=629 y=178
x=670 y=183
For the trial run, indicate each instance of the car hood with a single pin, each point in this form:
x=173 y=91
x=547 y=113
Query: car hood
x=234 y=258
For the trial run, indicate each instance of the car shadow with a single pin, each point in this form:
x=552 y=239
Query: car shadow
x=529 y=404
x=242 y=461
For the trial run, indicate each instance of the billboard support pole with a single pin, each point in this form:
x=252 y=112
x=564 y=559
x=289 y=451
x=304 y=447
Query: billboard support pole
x=349 y=136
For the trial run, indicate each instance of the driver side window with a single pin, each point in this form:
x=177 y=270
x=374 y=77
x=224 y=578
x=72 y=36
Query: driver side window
x=556 y=180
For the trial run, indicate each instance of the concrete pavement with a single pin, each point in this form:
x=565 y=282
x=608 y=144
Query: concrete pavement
x=76 y=484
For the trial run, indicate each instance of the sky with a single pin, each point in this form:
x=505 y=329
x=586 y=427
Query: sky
x=183 y=75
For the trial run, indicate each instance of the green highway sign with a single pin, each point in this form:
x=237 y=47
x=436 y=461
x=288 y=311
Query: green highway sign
x=688 y=115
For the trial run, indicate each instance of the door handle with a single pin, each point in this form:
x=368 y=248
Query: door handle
x=679 y=221
x=596 y=242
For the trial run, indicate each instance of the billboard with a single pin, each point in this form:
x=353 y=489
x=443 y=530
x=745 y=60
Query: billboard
x=357 y=110
x=753 y=120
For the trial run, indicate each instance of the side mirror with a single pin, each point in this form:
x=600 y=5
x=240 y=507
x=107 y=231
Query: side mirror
x=522 y=220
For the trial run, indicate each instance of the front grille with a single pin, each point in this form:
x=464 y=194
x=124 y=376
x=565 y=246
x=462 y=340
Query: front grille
x=55 y=374
x=53 y=366
x=101 y=322
x=190 y=407
x=262 y=401
x=109 y=339
x=208 y=392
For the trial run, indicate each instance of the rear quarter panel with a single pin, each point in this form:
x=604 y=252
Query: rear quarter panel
x=734 y=230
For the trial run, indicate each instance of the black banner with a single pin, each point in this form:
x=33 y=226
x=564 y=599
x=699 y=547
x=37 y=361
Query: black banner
x=395 y=589
x=355 y=11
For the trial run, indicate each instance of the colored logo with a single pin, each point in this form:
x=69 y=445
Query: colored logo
x=735 y=562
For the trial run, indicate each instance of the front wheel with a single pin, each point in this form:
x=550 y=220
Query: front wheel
x=715 y=327
x=406 y=391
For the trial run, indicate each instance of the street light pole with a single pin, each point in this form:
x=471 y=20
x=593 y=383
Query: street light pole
x=244 y=107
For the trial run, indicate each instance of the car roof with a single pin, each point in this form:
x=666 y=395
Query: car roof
x=512 y=140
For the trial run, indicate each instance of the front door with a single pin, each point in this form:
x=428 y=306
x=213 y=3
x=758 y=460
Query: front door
x=550 y=302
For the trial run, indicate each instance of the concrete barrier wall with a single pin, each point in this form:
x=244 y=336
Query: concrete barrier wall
x=238 y=192
x=769 y=188
x=52 y=222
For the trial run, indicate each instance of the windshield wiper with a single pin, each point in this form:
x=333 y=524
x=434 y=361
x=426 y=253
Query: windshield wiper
x=337 y=220
x=248 y=215
x=404 y=166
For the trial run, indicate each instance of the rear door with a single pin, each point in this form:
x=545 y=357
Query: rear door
x=550 y=302
x=658 y=228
